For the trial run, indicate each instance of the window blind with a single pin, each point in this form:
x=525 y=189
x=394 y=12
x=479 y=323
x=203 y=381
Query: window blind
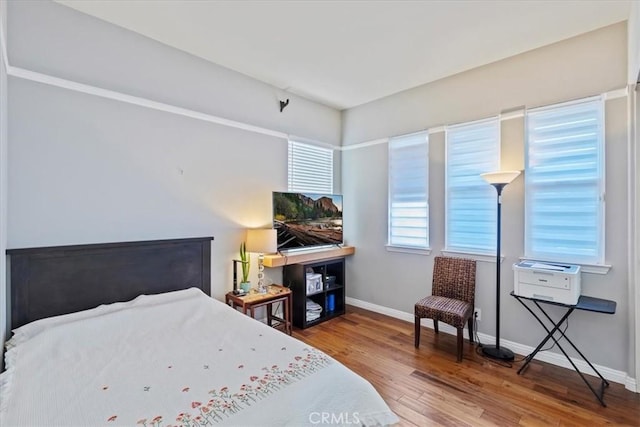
x=409 y=191
x=564 y=182
x=310 y=168
x=472 y=148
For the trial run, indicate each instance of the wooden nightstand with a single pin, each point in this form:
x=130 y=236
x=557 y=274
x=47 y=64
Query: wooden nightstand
x=253 y=300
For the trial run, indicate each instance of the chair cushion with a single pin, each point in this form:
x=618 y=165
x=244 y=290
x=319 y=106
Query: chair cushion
x=451 y=311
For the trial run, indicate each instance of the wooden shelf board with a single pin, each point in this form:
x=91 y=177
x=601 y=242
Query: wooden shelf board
x=276 y=260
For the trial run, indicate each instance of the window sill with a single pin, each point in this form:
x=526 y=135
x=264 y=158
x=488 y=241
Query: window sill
x=585 y=268
x=407 y=250
x=471 y=255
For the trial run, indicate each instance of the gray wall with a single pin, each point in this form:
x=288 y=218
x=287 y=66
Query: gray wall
x=634 y=284
x=85 y=169
x=634 y=43
x=3 y=185
x=587 y=65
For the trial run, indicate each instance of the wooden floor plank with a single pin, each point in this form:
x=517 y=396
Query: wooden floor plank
x=426 y=387
x=411 y=416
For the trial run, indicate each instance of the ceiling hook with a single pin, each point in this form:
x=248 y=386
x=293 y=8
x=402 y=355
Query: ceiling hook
x=283 y=104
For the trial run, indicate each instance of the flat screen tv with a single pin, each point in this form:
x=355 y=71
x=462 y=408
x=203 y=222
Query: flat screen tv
x=304 y=220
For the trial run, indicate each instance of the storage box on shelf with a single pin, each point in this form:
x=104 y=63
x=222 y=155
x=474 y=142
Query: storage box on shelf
x=318 y=290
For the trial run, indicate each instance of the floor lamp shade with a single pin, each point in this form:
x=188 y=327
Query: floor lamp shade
x=500 y=177
x=499 y=180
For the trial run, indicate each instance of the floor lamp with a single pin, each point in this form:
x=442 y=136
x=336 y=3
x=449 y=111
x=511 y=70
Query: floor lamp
x=499 y=180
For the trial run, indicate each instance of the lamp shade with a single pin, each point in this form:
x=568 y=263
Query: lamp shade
x=261 y=240
x=500 y=177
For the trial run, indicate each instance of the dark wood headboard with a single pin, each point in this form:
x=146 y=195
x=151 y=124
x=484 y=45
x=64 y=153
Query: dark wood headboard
x=64 y=279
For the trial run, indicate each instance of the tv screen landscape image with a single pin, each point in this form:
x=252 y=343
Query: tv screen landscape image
x=307 y=219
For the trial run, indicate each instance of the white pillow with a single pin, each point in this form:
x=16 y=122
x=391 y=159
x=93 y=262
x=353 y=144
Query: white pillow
x=28 y=331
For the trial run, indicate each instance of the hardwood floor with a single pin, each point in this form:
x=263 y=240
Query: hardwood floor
x=426 y=387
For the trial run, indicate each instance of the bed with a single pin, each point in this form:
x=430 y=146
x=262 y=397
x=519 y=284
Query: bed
x=126 y=334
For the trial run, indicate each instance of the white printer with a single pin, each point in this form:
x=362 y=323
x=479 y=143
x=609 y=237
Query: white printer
x=555 y=282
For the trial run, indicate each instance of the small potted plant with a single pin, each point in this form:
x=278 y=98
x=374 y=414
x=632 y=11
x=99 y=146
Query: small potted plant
x=245 y=260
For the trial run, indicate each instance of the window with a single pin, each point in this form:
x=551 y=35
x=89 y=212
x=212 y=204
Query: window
x=564 y=182
x=409 y=191
x=472 y=148
x=310 y=168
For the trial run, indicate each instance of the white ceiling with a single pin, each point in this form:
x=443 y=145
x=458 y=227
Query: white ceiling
x=346 y=53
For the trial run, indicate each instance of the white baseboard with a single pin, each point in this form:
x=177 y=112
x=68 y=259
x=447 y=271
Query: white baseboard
x=557 y=359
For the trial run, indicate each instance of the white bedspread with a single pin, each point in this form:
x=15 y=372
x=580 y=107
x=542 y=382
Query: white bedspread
x=176 y=359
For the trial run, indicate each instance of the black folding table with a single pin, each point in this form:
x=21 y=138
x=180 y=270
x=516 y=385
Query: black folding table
x=585 y=303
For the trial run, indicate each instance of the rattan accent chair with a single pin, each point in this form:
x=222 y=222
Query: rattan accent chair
x=452 y=298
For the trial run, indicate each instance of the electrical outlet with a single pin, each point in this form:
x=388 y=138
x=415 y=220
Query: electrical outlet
x=477 y=313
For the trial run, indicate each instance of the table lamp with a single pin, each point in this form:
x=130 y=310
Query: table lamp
x=261 y=241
